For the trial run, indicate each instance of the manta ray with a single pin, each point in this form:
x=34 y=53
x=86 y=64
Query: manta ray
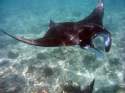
x=80 y=33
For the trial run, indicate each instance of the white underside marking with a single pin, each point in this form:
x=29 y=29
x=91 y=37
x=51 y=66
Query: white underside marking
x=107 y=41
x=102 y=5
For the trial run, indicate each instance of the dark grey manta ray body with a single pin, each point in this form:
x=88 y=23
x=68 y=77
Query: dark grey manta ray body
x=74 y=33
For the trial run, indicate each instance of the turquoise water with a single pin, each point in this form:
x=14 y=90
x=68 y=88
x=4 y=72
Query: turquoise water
x=28 y=69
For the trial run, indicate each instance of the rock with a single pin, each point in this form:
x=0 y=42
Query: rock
x=43 y=90
x=12 y=84
x=114 y=61
x=12 y=55
x=121 y=90
x=41 y=56
x=48 y=71
x=4 y=63
x=91 y=63
x=70 y=87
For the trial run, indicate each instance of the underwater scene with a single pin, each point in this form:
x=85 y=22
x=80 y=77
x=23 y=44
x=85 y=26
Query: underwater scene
x=62 y=46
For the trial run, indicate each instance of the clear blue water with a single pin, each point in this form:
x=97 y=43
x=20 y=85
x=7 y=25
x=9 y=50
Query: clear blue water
x=23 y=67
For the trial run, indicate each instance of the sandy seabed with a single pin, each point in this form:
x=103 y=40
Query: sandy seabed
x=29 y=69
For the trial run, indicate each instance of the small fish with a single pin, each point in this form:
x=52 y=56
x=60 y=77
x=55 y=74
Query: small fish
x=79 y=33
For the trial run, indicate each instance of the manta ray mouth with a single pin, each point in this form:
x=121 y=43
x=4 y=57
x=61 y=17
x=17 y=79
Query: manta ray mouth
x=98 y=43
x=102 y=41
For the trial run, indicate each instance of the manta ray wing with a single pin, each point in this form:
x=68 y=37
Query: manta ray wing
x=89 y=88
x=46 y=42
x=53 y=42
x=96 y=16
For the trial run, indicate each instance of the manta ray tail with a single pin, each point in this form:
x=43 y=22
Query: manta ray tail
x=45 y=42
x=31 y=42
